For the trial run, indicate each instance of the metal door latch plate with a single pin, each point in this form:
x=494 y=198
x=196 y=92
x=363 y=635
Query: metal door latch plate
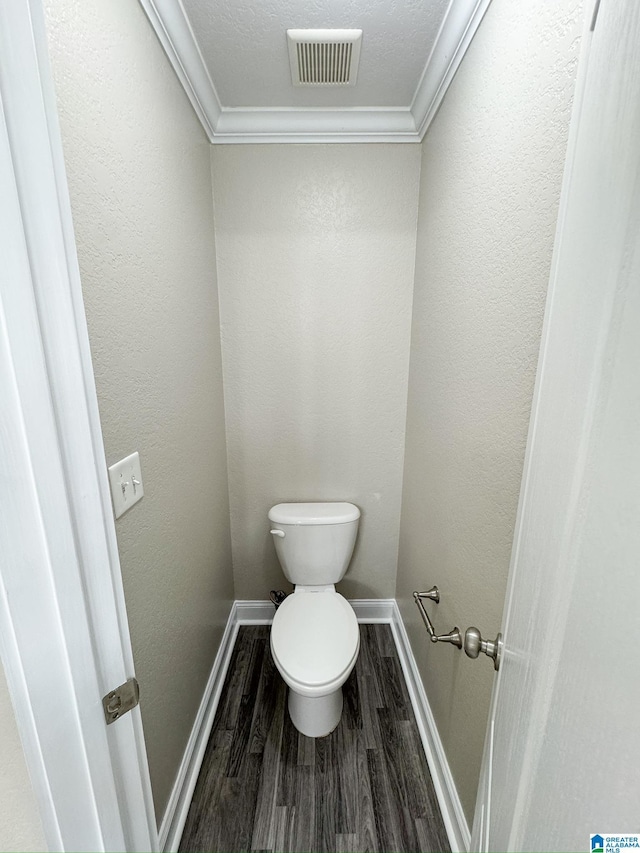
x=117 y=702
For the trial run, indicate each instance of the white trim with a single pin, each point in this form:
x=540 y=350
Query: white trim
x=254 y=612
x=315 y=125
x=373 y=610
x=228 y=125
x=368 y=611
x=458 y=29
x=60 y=577
x=177 y=808
x=452 y=812
x=172 y=27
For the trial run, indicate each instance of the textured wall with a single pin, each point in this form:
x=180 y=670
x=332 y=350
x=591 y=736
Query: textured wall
x=316 y=248
x=139 y=176
x=491 y=173
x=20 y=826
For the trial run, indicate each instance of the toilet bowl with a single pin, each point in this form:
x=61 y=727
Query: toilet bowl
x=315 y=637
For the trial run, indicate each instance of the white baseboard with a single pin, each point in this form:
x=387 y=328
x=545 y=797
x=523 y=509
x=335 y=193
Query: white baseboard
x=175 y=814
x=368 y=610
x=452 y=812
x=254 y=612
x=372 y=610
x=261 y=613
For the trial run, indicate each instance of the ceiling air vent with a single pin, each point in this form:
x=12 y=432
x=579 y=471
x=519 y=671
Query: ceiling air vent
x=324 y=57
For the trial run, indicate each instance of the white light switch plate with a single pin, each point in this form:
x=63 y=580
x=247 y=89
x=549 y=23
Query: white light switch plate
x=125 y=478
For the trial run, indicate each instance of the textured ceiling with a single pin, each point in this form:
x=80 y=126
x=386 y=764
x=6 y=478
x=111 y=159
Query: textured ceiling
x=232 y=59
x=243 y=44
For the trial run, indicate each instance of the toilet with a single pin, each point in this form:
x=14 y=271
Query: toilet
x=314 y=637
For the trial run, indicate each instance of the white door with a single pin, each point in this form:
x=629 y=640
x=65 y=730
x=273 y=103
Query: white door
x=63 y=631
x=562 y=756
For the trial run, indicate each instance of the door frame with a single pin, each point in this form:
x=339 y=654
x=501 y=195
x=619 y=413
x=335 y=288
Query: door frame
x=60 y=578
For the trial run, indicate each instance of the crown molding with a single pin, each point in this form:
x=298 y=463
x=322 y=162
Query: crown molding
x=230 y=125
x=172 y=27
x=456 y=32
x=319 y=125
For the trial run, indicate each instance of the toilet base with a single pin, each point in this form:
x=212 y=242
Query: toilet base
x=315 y=717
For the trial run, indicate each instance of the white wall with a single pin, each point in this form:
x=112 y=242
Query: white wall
x=20 y=825
x=140 y=183
x=491 y=171
x=315 y=268
x=316 y=248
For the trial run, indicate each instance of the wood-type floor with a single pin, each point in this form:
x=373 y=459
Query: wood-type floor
x=265 y=787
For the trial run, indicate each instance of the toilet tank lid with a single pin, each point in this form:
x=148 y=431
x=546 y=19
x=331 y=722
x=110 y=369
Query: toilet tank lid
x=314 y=513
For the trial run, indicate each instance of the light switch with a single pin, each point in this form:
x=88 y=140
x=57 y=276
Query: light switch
x=125 y=478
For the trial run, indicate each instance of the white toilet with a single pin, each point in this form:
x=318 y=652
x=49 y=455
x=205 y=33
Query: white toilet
x=315 y=638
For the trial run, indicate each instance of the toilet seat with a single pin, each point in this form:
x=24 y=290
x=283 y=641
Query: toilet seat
x=315 y=641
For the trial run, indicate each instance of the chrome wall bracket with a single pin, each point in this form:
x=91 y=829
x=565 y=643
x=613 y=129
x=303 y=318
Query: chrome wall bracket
x=433 y=594
x=454 y=636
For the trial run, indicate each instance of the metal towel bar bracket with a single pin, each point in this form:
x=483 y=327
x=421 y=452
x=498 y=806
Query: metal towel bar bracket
x=454 y=636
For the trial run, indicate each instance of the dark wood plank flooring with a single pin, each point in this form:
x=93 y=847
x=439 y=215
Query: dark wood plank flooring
x=265 y=787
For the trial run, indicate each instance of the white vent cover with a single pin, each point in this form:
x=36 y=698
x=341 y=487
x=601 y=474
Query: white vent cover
x=324 y=57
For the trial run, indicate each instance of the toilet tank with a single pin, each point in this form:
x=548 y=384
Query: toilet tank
x=318 y=540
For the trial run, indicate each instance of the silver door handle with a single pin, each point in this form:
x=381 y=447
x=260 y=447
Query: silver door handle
x=474 y=644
